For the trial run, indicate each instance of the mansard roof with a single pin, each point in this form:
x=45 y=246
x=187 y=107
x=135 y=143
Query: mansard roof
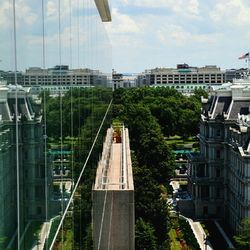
x=228 y=102
x=239 y=108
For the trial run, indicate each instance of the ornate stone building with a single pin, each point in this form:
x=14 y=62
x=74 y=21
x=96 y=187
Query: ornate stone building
x=220 y=174
x=30 y=160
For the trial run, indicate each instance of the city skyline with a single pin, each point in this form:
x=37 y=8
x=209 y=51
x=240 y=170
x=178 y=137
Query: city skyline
x=200 y=33
x=144 y=34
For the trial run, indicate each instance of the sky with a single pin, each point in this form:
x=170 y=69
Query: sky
x=162 y=33
x=144 y=34
x=83 y=40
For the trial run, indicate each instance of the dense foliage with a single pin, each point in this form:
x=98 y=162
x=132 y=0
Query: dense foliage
x=151 y=114
x=74 y=109
x=188 y=234
x=243 y=238
x=88 y=108
x=176 y=114
x=144 y=235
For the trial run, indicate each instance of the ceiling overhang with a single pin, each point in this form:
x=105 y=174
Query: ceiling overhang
x=104 y=10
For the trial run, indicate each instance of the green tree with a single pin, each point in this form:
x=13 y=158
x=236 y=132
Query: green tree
x=176 y=114
x=150 y=114
x=148 y=141
x=148 y=201
x=243 y=238
x=144 y=236
x=88 y=241
x=198 y=93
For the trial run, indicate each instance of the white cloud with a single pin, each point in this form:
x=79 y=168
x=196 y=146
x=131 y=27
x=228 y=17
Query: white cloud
x=24 y=14
x=76 y=6
x=4 y=13
x=182 y=7
x=232 y=12
x=52 y=40
x=127 y=43
x=51 y=8
x=176 y=36
x=122 y=24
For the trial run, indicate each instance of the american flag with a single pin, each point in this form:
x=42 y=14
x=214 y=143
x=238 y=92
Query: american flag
x=243 y=56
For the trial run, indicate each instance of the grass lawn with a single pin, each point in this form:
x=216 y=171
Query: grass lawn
x=68 y=239
x=175 y=244
x=176 y=142
x=53 y=229
x=179 y=138
x=67 y=244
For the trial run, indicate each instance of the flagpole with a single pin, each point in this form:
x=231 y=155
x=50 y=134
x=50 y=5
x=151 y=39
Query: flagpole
x=248 y=61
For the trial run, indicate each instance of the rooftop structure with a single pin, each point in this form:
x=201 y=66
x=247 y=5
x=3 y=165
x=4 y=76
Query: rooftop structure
x=113 y=194
x=104 y=10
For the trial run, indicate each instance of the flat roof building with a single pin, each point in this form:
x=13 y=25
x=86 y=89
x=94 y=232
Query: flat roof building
x=183 y=78
x=113 y=194
x=57 y=79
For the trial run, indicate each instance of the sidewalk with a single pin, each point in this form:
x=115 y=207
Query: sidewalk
x=199 y=234
x=42 y=236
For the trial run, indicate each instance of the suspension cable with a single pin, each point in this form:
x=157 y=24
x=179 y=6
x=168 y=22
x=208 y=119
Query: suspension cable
x=80 y=176
x=45 y=127
x=71 y=116
x=16 y=125
x=61 y=113
x=78 y=103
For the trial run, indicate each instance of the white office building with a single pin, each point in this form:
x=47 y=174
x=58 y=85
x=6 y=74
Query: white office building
x=184 y=78
x=61 y=79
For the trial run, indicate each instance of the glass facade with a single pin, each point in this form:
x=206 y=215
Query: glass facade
x=55 y=100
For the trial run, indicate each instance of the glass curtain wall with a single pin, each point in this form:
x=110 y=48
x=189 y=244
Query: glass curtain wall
x=55 y=99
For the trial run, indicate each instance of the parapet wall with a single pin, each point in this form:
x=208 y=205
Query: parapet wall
x=113 y=194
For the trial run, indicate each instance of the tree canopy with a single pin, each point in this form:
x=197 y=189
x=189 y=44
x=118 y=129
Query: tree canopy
x=151 y=114
x=243 y=238
x=176 y=114
x=144 y=236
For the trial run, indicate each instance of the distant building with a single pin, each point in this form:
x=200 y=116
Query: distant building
x=123 y=80
x=113 y=194
x=184 y=78
x=9 y=77
x=117 y=80
x=232 y=74
x=31 y=162
x=220 y=173
x=56 y=79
